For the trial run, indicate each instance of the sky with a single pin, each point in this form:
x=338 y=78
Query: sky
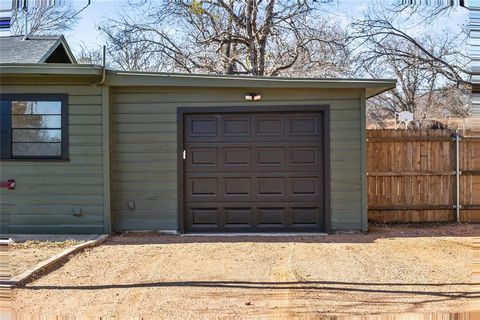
x=86 y=32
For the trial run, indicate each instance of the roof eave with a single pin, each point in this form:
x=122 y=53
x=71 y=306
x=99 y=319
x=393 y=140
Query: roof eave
x=375 y=91
x=58 y=69
x=119 y=78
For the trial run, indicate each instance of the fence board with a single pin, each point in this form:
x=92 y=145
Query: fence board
x=411 y=176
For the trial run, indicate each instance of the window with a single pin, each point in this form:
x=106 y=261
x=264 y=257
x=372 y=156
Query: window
x=34 y=126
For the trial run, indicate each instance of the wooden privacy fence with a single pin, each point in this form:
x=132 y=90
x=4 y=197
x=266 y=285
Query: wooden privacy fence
x=412 y=176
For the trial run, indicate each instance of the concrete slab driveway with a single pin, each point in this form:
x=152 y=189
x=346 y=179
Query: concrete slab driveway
x=389 y=270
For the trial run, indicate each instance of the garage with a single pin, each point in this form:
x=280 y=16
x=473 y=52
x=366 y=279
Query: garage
x=261 y=170
x=189 y=153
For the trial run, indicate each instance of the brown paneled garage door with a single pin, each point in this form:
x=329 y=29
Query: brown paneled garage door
x=255 y=172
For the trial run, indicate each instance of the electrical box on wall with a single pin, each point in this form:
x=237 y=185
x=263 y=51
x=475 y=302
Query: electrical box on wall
x=77 y=211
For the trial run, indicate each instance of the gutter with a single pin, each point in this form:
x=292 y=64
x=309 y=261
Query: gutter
x=51 y=69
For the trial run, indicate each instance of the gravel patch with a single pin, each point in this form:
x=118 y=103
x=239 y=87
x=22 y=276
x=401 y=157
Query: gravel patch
x=392 y=269
x=26 y=255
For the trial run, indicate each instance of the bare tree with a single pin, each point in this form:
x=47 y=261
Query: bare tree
x=258 y=37
x=421 y=89
x=430 y=67
x=88 y=55
x=427 y=11
x=45 y=20
x=445 y=54
x=123 y=56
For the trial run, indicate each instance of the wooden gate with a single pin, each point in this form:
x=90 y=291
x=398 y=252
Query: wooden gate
x=412 y=176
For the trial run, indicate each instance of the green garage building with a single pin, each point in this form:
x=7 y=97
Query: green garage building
x=95 y=151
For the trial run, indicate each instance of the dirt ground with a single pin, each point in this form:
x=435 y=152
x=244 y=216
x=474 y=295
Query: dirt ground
x=389 y=270
x=25 y=255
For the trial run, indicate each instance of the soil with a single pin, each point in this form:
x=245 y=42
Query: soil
x=392 y=269
x=26 y=255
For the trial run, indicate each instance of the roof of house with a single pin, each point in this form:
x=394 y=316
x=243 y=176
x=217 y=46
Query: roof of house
x=127 y=78
x=35 y=49
x=132 y=78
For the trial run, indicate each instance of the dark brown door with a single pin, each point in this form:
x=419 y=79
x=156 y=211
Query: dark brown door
x=254 y=172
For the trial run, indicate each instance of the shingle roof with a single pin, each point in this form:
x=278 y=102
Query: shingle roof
x=35 y=49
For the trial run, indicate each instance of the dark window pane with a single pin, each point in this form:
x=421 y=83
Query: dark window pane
x=35 y=121
x=36 y=149
x=34 y=135
x=36 y=107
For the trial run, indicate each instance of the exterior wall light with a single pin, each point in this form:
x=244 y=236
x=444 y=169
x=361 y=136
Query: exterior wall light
x=253 y=97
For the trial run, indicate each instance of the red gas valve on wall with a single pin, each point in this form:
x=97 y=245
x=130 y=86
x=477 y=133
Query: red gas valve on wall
x=10 y=184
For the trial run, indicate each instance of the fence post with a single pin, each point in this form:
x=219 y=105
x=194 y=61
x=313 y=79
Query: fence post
x=457 y=175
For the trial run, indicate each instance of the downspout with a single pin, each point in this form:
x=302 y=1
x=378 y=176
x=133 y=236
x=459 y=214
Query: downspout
x=107 y=217
x=102 y=80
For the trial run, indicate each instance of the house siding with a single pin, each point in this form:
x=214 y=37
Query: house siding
x=144 y=160
x=474 y=38
x=49 y=192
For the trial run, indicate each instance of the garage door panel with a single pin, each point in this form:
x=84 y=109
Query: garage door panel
x=201 y=157
x=256 y=172
x=201 y=187
x=272 y=216
x=254 y=159
x=226 y=144
x=270 y=156
x=236 y=157
x=236 y=126
x=270 y=186
x=304 y=126
x=240 y=217
x=266 y=126
x=207 y=216
x=301 y=186
x=280 y=139
x=253 y=170
x=304 y=215
x=237 y=186
x=262 y=217
x=304 y=156
x=202 y=127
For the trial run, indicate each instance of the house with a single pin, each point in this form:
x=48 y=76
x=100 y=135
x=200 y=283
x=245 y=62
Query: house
x=94 y=150
x=474 y=32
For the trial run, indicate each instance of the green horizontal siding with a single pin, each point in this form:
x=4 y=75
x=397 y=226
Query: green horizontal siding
x=90 y=110
x=145 y=149
x=49 y=193
x=48 y=168
x=140 y=111
x=76 y=228
x=50 y=209
x=140 y=147
x=144 y=135
x=226 y=95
